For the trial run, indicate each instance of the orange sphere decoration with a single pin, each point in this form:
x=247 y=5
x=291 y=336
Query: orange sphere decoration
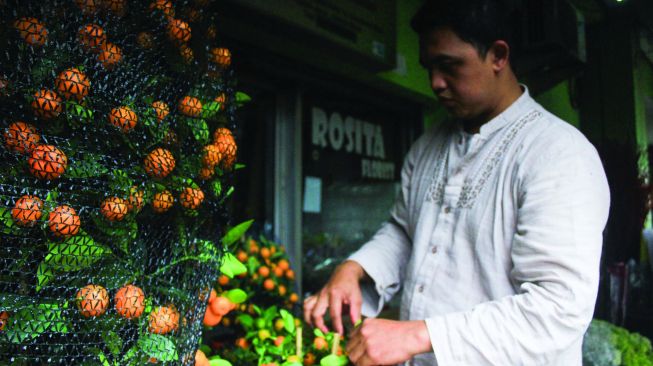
x=211 y=156
x=145 y=40
x=64 y=221
x=114 y=208
x=186 y=53
x=129 y=302
x=163 y=320
x=88 y=7
x=190 y=106
x=32 y=31
x=4 y=319
x=205 y=173
x=92 y=36
x=21 y=137
x=164 y=6
x=162 y=201
x=191 y=198
x=135 y=201
x=46 y=104
x=47 y=162
x=161 y=109
x=27 y=210
x=220 y=56
x=109 y=55
x=159 y=163
x=224 y=140
x=72 y=83
x=115 y=6
x=92 y=300
x=222 y=98
x=124 y=118
x=178 y=30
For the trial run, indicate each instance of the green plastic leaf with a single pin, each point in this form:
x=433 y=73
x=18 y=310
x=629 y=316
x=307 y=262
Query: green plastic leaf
x=333 y=360
x=219 y=362
x=74 y=253
x=231 y=266
x=86 y=166
x=242 y=98
x=210 y=109
x=289 y=363
x=31 y=321
x=43 y=275
x=113 y=341
x=200 y=130
x=216 y=187
x=8 y=225
x=237 y=296
x=158 y=346
x=288 y=321
x=246 y=320
x=236 y=232
x=318 y=333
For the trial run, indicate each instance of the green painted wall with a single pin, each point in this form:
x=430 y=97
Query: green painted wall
x=643 y=80
x=557 y=101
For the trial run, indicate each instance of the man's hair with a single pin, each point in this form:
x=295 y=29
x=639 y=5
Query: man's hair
x=477 y=22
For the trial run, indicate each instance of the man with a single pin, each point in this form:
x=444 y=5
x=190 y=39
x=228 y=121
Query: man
x=496 y=234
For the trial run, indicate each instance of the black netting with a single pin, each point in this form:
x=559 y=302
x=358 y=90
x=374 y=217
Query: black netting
x=117 y=120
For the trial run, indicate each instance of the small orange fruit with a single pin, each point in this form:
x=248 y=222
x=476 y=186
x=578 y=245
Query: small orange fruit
x=114 y=208
x=191 y=198
x=129 y=302
x=161 y=109
x=220 y=56
x=242 y=343
x=164 y=6
x=91 y=36
x=135 y=201
x=290 y=274
x=320 y=343
x=282 y=290
x=222 y=98
x=159 y=163
x=21 y=137
x=309 y=359
x=265 y=253
x=241 y=256
x=200 y=359
x=283 y=264
x=211 y=156
x=145 y=40
x=115 y=6
x=293 y=298
x=163 y=320
x=92 y=300
x=109 y=55
x=223 y=280
x=4 y=319
x=205 y=173
x=46 y=104
x=162 y=201
x=268 y=284
x=47 y=162
x=210 y=318
x=253 y=246
x=190 y=106
x=124 y=118
x=278 y=272
x=263 y=271
x=186 y=53
x=221 y=306
x=27 y=210
x=64 y=221
x=72 y=83
x=178 y=30
x=88 y=7
x=224 y=140
x=213 y=295
x=32 y=31
x=278 y=341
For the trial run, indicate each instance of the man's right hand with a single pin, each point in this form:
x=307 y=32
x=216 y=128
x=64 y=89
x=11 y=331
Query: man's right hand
x=342 y=291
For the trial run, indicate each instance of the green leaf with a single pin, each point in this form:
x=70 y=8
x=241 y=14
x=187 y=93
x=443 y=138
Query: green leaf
x=236 y=232
x=74 y=253
x=119 y=181
x=200 y=130
x=216 y=187
x=239 y=166
x=113 y=341
x=246 y=320
x=210 y=109
x=8 y=227
x=31 y=321
x=318 y=333
x=288 y=321
x=43 y=275
x=231 y=266
x=288 y=363
x=333 y=360
x=219 y=362
x=158 y=346
x=87 y=166
x=236 y=296
x=242 y=98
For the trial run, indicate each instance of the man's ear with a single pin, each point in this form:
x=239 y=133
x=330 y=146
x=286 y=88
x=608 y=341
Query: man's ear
x=499 y=54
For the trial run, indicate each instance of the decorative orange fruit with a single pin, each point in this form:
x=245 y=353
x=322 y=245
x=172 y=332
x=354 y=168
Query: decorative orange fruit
x=21 y=137
x=72 y=83
x=222 y=98
x=27 y=210
x=186 y=53
x=320 y=343
x=129 y=302
x=115 y=6
x=162 y=201
x=225 y=142
x=88 y=7
x=124 y=118
x=92 y=300
x=145 y=40
x=135 y=201
x=4 y=319
x=220 y=56
x=46 y=104
x=263 y=271
x=282 y=290
x=268 y=284
x=114 y=208
x=211 y=156
x=92 y=36
x=190 y=106
x=161 y=109
x=178 y=30
x=200 y=359
x=163 y=320
x=64 y=221
x=47 y=162
x=191 y=198
x=242 y=343
x=205 y=173
x=159 y=163
x=221 y=306
x=210 y=318
x=293 y=298
x=283 y=264
x=32 y=31
x=223 y=280
x=265 y=253
x=290 y=274
x=109 y=55
x=164 y=6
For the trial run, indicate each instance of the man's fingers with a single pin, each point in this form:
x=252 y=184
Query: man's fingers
x=335 y=310
x=318 y=312
x=355 y=310
x=355 y=350
x=309 y=304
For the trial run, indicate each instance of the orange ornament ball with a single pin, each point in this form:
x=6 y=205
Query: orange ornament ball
x=162 y=201
x=109 y=55
x=191 y=198
x=205 y=173
x=47 y=162
x=124 y=118
x=21 y=137
x=64 y=221
x=27 y=210
x=164 y=6
x=114 y=209
x=163 y=320
x=179 y=31
x=47 y=104
x=186 y=53
x=73 y=83
x=161 y=109
x=91 y=36
x=32 y=31
x=224 y=140
x=92 y=300
x=190 y=106
x=211 y=156
x=159 y=163
x=4 y=319
x=135 y=201
x=117 y=7
x=220 y=56
x=129 y=302
x=88 y=7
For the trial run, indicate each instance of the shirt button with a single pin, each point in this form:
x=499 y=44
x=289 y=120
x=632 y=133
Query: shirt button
x=420 y=288
x=434 y=250
x=447 y=209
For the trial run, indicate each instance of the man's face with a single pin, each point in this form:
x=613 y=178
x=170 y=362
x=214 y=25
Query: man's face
x=460 y=78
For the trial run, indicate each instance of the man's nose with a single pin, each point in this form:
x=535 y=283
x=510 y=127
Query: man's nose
x=438 y=84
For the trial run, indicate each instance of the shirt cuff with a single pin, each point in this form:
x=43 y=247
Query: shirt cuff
x=382 y=288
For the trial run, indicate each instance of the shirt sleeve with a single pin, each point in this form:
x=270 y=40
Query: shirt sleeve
x=563 y=206
x=385 y=256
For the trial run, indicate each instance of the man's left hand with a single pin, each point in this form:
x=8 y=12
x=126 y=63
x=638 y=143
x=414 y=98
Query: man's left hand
x=387 y=342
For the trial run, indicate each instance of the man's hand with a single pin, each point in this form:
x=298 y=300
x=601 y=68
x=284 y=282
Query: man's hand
x=343 y=290
x=387 y=342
